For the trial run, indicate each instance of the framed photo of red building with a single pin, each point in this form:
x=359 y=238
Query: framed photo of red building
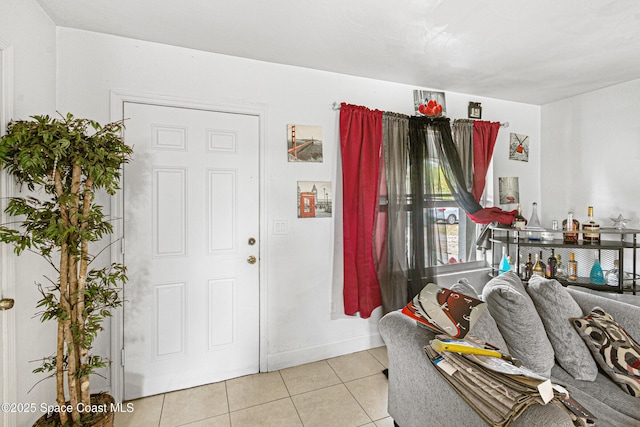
x=315 y=199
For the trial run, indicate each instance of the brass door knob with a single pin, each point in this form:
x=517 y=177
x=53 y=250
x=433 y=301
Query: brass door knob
x=6 y=303
x=251 y=259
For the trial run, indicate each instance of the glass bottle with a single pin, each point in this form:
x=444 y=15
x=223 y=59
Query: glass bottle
x=552 y=266
x=570 y=224
x=519 y=222
x=539 y=268
x=613 y=275
x=590 y=229
x=560 y=273
x=504 y=263
x=572 y=268
x=596 y=276
x=528 y=268
x=534 y=222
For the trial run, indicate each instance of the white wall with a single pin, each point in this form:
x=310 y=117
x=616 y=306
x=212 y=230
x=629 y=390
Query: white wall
x=591 y=155
x=301 y=327
x=30 y=35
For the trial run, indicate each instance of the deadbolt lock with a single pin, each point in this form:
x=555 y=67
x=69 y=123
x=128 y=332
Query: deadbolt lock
x=252 y=241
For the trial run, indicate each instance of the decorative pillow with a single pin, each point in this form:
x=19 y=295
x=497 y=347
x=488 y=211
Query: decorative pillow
x=555 y=307
x=463 y=286
x=444 y=310
x=485 y=329
x=614 y=350
x=519 y=323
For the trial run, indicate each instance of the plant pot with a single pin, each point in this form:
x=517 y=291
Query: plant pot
x=102 y=418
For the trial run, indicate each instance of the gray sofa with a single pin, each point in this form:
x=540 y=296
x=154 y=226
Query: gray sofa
x=419 y=396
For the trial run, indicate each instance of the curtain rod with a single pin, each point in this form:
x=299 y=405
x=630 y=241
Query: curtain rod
x=336 y=107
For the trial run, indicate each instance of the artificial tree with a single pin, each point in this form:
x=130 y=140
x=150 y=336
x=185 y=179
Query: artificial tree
x=63 y=163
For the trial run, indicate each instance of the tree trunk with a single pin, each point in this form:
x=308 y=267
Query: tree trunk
x=82 y=281
x=60 y=399
x=72 y=368
x=74 y=338
x=64 y=302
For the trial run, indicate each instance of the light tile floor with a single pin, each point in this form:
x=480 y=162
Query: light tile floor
x=344 y=391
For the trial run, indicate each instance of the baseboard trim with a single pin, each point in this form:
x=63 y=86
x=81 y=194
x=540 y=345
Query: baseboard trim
x=287 y=359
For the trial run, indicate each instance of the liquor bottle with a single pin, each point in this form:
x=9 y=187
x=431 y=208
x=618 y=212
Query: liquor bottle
x=597 y=276
x=613 y=275
x=571 y=224
x=539 y=268
x=504 y=263
x=560 y=272
x=519 y=222
x=534 y=222
x=590 y=229
x=528 y=269
x=572 y=268
x=552 y=266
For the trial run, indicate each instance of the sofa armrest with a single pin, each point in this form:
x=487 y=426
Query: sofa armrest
x=419 y=396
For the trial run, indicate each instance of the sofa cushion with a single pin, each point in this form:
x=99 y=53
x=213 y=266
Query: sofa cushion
x=605 y=392
x=555 y=307
x=614 y=350
x=519 y=323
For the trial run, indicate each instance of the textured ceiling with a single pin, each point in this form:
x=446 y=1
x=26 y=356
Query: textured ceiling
x=533 y=52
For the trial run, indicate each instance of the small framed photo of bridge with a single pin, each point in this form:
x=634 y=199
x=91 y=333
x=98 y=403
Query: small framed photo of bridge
x=304 y=143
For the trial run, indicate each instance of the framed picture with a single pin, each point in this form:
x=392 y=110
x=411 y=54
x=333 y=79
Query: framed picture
x=304 y=143
x=475 y=110
x=519 y=147
x=509 y=190
x=433 y=104
x=315 y=199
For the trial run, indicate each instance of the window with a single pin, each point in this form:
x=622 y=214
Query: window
x=449 y=236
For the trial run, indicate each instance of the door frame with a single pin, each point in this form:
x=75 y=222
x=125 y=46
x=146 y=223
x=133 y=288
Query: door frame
x=8 y=366
x=117 y=100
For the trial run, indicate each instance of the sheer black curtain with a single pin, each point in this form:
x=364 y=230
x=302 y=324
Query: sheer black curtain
x=435 y=168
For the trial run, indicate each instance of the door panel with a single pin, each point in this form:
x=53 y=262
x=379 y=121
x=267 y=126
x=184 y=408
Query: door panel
x=191 y=203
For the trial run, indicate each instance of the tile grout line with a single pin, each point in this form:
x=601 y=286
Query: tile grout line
x=226 y=393
x=164 y=395
x=290 y=397
x=345 y=386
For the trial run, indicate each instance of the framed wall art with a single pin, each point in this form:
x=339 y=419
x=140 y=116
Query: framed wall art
x=519 y=147
x=474 y=111
x=429 y=103
x=315 y=199
x=304 y=143
x=509 y=190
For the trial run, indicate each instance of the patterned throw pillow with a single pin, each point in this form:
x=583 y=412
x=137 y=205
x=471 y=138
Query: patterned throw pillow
x=614 y=350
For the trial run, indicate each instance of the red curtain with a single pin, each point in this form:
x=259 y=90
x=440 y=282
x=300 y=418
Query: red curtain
x=360 y=143
x=484 y=139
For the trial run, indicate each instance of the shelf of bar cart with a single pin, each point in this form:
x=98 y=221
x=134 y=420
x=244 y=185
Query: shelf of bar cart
x=612 y=241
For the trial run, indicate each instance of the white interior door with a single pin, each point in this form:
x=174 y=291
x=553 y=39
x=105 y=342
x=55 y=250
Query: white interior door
x=8 y=364
x=191 y=224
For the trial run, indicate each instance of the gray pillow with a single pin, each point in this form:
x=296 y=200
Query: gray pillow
x=556 y=306
x=487 y=330
x=519 y=323
x=464 y=287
